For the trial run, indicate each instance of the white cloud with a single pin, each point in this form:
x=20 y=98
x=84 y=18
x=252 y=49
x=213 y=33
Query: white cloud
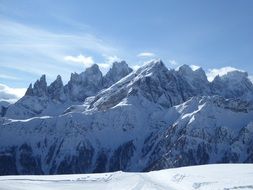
x=16 y=35
x=10 y=94
x=212 y=73
x=146 y=54
x=173 y=62
x=3 y=76
x=86 y=60
x=194 y=67
x=34 y=50
x=109 y=60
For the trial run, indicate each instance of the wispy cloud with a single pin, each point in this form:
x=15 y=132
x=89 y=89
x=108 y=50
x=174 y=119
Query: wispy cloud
x=111 y=59
x=212 y=73
x=16 y=35
x=108 y=61
x=173 y=62
x=9 y=77
x=37 y=51
x=9 y=94
x=86 y=60
x=146 y=54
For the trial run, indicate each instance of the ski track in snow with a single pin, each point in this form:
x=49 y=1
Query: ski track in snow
x=205 y=177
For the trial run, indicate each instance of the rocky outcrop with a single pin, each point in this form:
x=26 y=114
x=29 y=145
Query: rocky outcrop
x=56 y=90
x=85 y=84
x=3 y=107
x=117 y=72
x=234 y=84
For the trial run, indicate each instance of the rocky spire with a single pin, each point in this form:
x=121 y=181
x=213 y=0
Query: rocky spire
x=117 y=72
x=93 y=75
x=40 y=87
x=56 y=90
x=195 y=80
x=29 y=91
x=187 y=71
x=85 y=84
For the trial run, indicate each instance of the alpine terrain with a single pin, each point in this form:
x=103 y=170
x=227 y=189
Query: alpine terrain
x=149 y=119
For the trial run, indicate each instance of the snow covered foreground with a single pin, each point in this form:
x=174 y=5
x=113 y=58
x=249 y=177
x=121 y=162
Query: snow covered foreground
x=213 y=177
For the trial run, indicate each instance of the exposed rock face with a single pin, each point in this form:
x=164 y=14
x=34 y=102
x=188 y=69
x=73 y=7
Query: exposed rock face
x=3 y=107
x=40 y=87
x=197 y=80
x=117 y=72
x=154 y=82
x=205 y=132
x=145 y=137
x=234 y=84
x=152 y=118
x=40 y=99
x=56 y=90
x=86 y=84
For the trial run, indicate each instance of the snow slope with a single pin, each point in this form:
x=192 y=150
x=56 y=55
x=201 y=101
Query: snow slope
x=204 y=177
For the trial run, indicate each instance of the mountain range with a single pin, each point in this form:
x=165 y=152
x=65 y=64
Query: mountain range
x=148 y=119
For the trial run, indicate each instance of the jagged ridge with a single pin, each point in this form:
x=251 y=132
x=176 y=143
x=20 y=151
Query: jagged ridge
x=41 y=99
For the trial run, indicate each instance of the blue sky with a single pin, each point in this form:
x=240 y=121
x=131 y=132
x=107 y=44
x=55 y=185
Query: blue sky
x=63 y=36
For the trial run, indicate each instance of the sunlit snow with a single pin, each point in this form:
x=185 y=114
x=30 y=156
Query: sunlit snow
x=206 y=177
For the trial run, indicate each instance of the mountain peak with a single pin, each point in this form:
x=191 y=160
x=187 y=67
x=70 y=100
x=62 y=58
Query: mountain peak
x=85 y=84
x=156 y=63
x=58 y=81
x=93 y=74
x=120 y=65
x=234 y=84
x=56 y=91
x=39 y=87
x=185 y=69
x=188 y=73
x=92 y=69
x=29 y=91
x=200 y=70
x=122 y=62
x=58 y=78
x=116 y=72
x=153 y=65
x=232 y=76
x=90 y=74
x=235 y=75
x=43 y=78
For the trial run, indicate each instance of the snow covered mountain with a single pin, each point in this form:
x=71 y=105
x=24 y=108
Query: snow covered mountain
x=143 y=120
x=43 y=100
x=234 y=84
x=205 y=177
